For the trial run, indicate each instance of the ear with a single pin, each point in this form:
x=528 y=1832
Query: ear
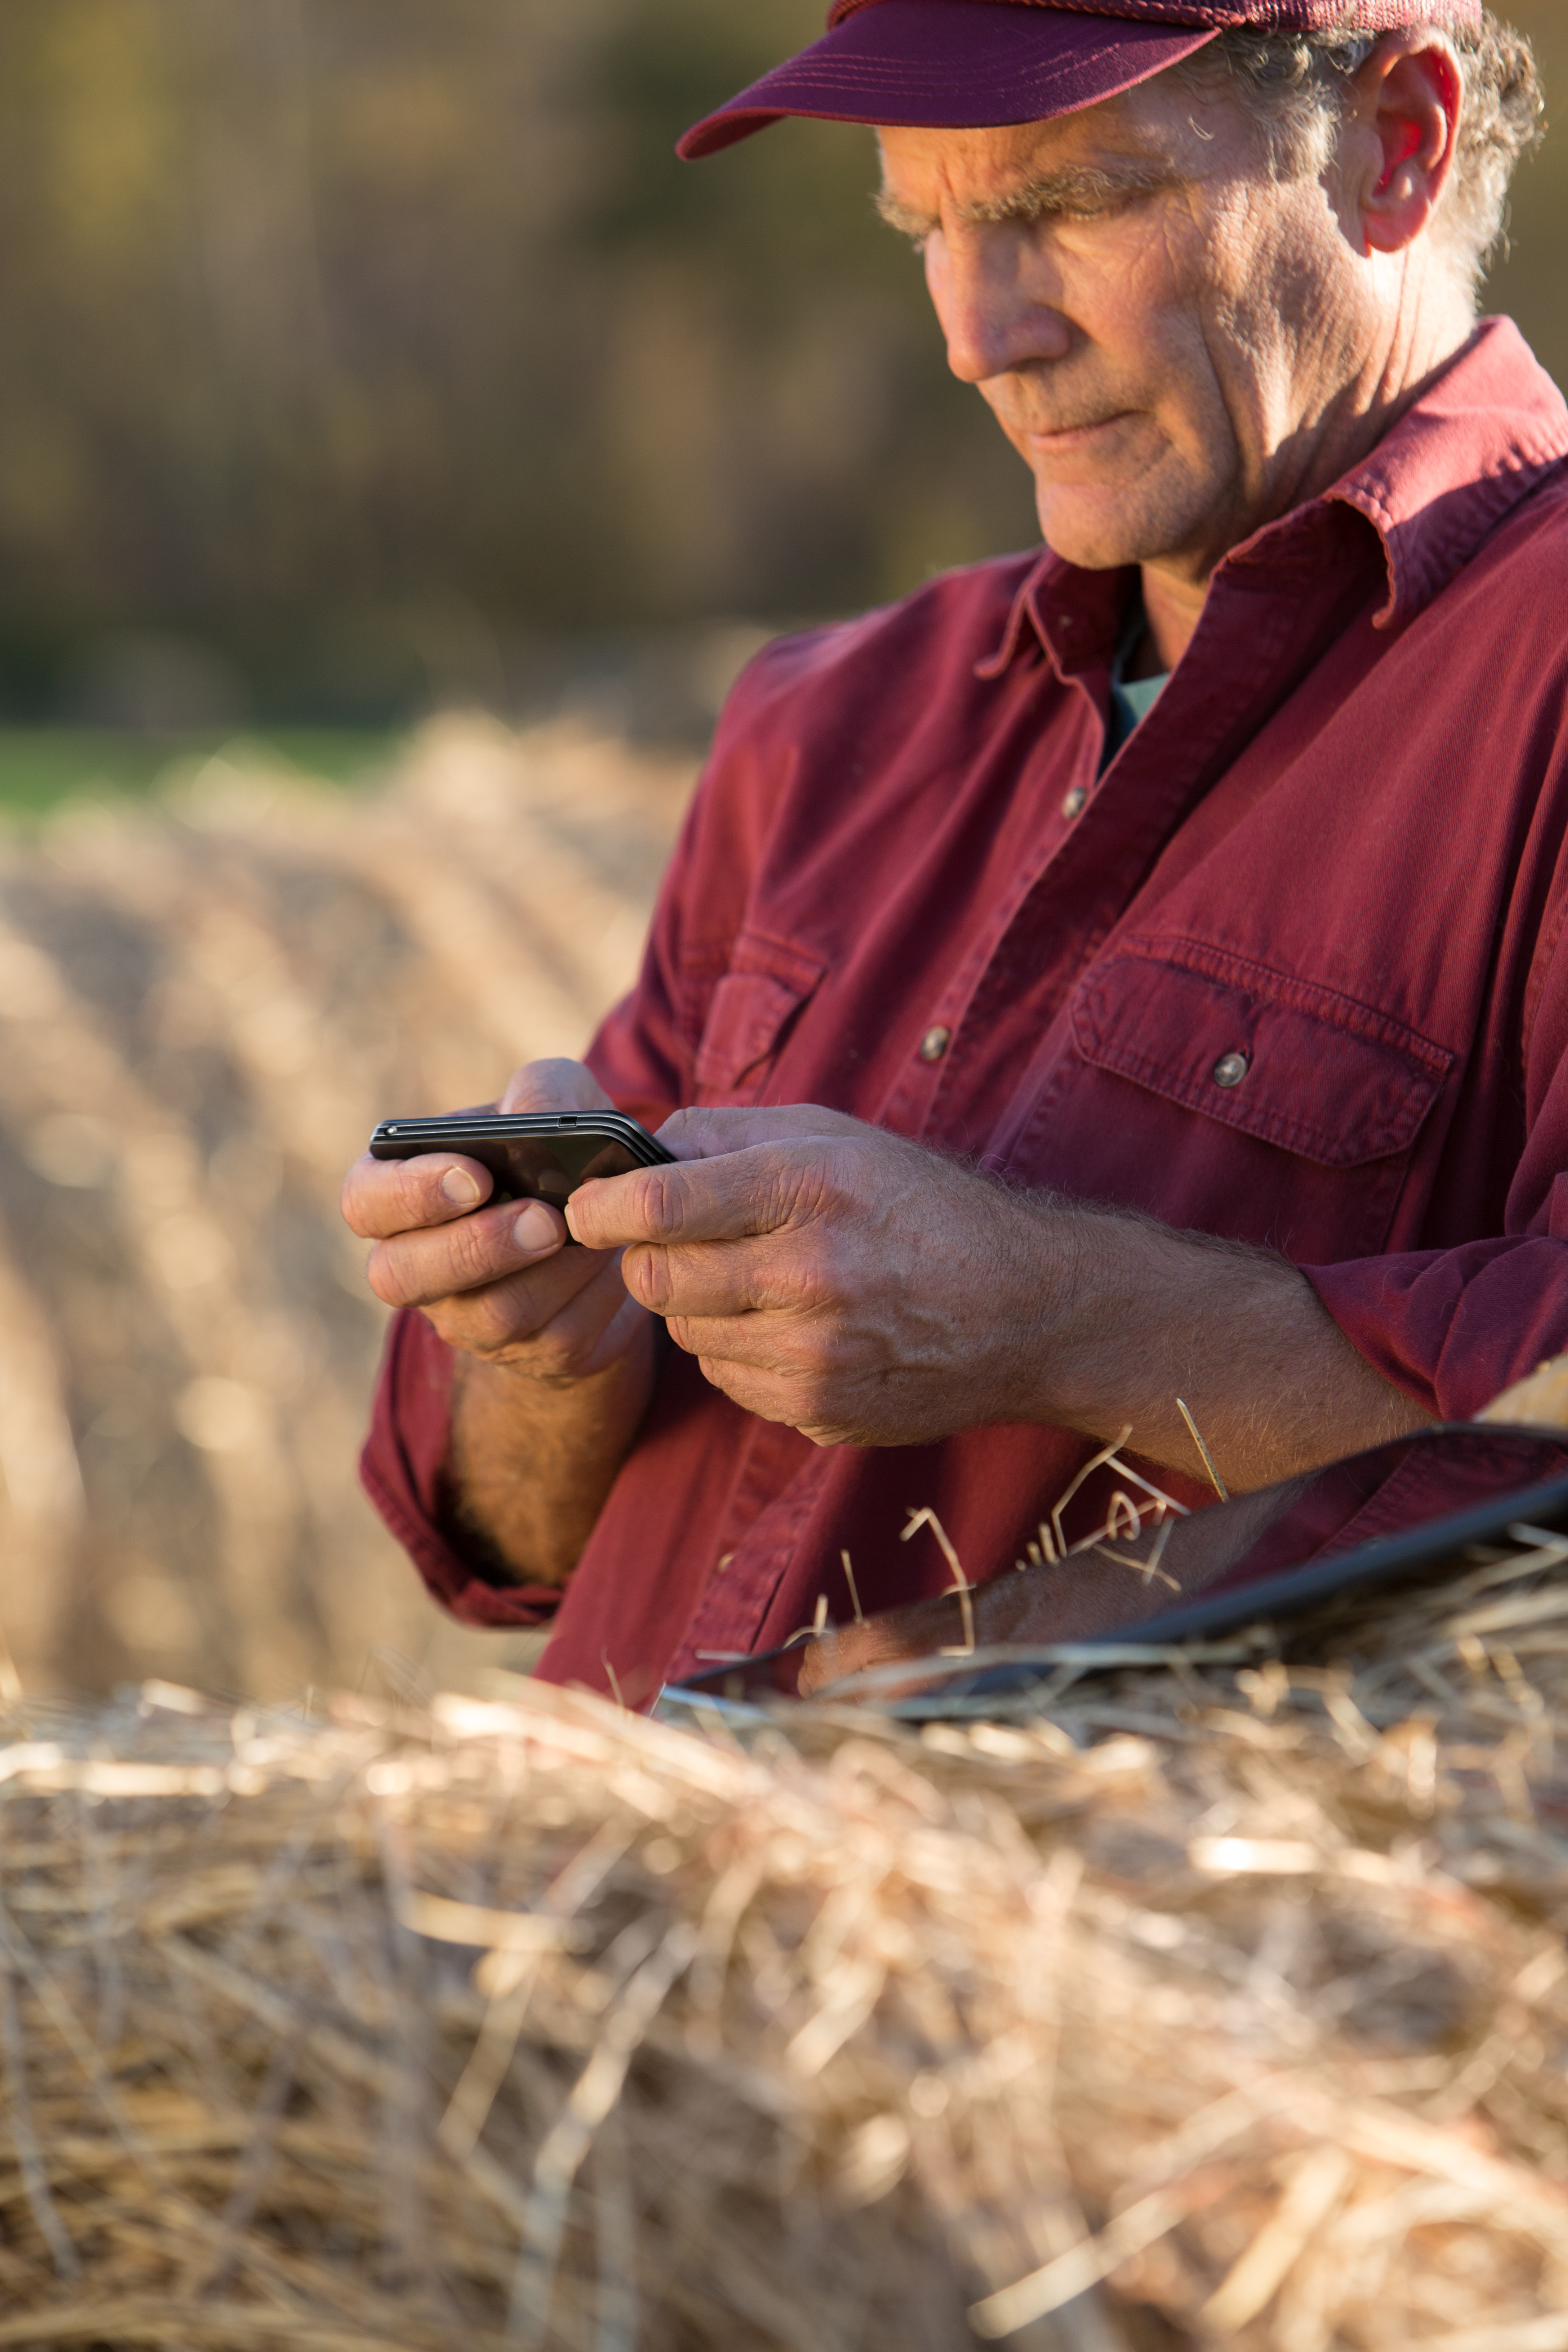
x=1402 y=128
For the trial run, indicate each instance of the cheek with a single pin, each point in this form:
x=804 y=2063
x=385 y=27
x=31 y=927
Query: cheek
x=1259 y=316
x=1137 y=314
x=997 y=392
x=1196 y=408
x=1172 y=321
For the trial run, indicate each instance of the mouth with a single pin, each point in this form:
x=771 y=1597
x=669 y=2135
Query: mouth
x=1061 y=440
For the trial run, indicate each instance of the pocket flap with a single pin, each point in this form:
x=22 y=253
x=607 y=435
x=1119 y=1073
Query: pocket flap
x=1278 y=1058
x=766 y=985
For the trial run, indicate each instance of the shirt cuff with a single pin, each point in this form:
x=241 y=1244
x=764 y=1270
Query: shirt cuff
x=401 y=1470
x=1454 y=1328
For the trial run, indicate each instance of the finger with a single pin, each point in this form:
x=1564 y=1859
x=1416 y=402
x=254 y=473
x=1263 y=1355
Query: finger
x=382 y=1197
x=555 y=1085
x=774 y=1393
x=804 y=1348
x=525 y=1321
x=719 y=1280
x=411 y=1269
x=920 y=1631
x=708 y=1133
x=617 y=1334
x=745 y=1361
x=731 y=1199
x=760 y=1392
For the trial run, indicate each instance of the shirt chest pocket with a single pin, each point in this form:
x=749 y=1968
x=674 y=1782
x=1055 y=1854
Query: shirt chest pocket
x=1307 y=1103
x=749 y=1016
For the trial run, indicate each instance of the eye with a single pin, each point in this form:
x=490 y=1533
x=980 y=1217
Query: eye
x=1103 y=206
x=1106 y=203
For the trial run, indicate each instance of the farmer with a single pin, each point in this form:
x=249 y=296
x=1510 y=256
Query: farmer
x=1164 y=931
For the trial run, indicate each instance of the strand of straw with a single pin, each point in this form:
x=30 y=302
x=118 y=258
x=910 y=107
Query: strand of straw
x=1221 y=1489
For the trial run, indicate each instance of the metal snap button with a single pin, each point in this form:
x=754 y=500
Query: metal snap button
x=934 y=1044
x=1076 y=802
x=1231 y=1070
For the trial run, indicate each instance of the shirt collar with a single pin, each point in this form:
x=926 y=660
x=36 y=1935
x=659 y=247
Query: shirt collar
x=1473 y=448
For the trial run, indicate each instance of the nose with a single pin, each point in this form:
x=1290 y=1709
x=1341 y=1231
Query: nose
x=992 y=285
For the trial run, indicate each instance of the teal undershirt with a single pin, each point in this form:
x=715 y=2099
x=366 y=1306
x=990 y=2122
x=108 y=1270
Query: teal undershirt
x=1131 y=699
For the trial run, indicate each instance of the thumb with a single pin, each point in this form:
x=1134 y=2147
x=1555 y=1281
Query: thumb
x=729 y=1199
x=557 y=1085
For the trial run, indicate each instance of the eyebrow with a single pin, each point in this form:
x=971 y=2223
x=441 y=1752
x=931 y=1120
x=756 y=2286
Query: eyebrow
x=1076 y=187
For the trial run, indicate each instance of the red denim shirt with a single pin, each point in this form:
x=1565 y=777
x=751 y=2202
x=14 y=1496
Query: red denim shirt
x=1336 y=848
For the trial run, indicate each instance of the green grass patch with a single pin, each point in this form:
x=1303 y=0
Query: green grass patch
x=41 y=766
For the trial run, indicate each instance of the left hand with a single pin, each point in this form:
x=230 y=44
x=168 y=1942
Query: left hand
x=828 y=1275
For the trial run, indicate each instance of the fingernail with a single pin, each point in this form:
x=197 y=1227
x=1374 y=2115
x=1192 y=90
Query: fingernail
x=458 y=1187
x=535 y=1228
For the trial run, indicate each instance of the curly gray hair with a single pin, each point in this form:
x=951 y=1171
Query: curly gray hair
x=1295 y=82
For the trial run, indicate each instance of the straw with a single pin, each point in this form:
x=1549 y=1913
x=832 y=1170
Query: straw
x=1222 y=1998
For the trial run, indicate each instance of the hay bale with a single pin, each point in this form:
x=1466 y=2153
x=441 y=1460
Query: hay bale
x=1223 y=2000
x=206 y=1003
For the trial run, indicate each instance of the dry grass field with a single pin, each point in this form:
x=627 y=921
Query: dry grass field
x=205 y=1003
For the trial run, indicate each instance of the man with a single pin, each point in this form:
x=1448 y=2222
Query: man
x=1162 y=930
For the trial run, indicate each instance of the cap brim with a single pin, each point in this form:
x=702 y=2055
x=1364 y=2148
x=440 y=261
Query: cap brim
x=952 y=65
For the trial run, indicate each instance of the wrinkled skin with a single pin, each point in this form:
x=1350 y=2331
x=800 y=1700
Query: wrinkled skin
x=1179 y=348
x=782 y=1264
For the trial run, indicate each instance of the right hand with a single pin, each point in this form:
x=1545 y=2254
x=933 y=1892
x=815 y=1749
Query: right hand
x=497 y=1283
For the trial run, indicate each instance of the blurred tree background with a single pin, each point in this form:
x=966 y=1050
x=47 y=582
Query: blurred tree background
x=366 y=354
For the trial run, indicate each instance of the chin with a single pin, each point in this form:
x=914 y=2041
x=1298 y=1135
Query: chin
x=1104 y=530
x=1093 y=550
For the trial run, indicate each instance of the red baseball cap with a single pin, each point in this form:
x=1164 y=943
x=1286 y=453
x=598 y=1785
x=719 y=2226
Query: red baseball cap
x=965 y=64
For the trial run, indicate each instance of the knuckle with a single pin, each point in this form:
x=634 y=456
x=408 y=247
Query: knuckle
x=646 y=1272
x=816 y=1187
x=554 y=1356
x=350 y=1200
x=383 y=1197
x=611 y=1210
x=472 y=1250
x=657 y=1200
x=800 y=1281
x=374 y=1196
x=493 y=1321
x=554 y=1351
x=381 y=1271
x=683 y=1127
x=701 y=1133
x=545 y=1319
x=812 y=1402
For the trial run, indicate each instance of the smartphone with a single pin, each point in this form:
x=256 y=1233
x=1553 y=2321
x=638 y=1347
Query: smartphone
x=533 y=1155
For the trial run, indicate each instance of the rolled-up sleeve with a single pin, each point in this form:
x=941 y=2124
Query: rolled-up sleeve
x=1453 y=1329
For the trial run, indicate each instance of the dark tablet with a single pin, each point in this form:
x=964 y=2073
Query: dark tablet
x=1378 y=1521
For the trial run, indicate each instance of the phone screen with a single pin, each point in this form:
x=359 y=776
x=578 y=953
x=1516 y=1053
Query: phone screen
x=531 y=1157
x=548 y=1168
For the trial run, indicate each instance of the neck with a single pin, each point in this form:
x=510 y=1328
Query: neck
x=1173 y=608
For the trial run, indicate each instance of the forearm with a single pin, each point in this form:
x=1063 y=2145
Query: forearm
x=1147 y=1316
x=532 y=1460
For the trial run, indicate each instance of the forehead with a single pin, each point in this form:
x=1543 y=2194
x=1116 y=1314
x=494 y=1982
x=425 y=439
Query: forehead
x=1149 y=136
